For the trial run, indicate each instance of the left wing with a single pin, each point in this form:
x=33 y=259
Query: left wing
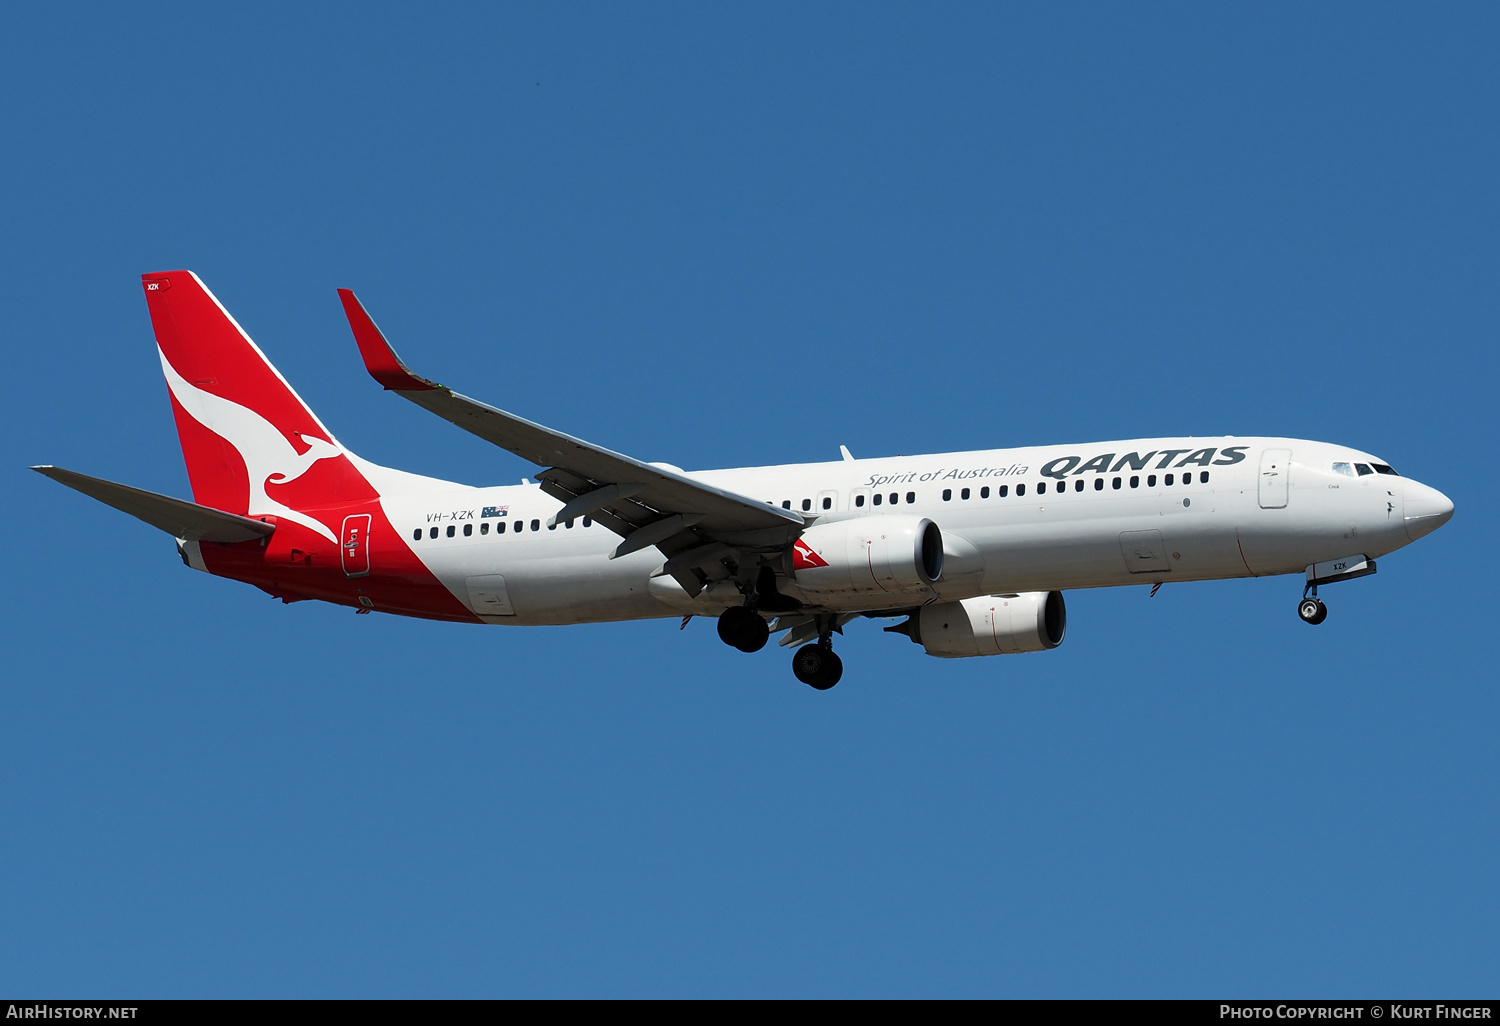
x=704 y=531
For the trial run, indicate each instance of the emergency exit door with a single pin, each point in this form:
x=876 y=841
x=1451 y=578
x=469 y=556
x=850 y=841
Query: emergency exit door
x=1274 y=465
x=354 y=545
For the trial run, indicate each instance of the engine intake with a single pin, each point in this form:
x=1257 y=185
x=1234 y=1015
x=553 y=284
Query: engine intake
x=990 y=625
x=869 y=554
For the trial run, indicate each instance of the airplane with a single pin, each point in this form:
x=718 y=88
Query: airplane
x=973 y=549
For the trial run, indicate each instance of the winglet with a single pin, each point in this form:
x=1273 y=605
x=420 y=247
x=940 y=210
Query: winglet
x=380 y=359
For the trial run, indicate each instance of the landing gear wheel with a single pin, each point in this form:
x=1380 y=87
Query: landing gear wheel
x=742 y=628
x=817 y=666
x=1312 y=610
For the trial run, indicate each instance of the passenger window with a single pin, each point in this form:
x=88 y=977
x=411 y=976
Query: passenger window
x=911 y=496
x=1098 y=484
x=878 y=498
x=1151 y=481
x=536 y=525
x=1203 y=477
x=1116 y=484
x=1041 y=487
x=1135 y=482
x=894 y=498
x=786 y=503
x=468 y=530
x=1363 y=470
x=432 y=533
x=806 y=505
x=588 y=521
x=484 y=528
x=416 y=535
x=948 y=494
x=1003 y=491
x=984 y=493
x=500 y=527
x=827 y=502
x=551 y=527
x=859 y=500
x=568 y=524
x=1020 y=490
x=1168 y=480
x=450 y=530
x=1078 y=485
x=964 y=494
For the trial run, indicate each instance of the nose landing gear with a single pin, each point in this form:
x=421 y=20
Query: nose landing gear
x=1312 y=610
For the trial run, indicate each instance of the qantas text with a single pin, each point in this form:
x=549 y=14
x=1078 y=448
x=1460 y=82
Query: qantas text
x=1062 y=466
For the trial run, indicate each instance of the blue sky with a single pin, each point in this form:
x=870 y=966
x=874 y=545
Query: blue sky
x=721 y=236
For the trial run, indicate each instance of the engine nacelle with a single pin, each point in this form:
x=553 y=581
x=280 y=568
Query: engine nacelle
x=869 y=554
x=993 y=625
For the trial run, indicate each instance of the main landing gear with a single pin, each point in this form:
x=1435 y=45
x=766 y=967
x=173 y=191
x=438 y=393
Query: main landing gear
x=743 y=628
x=814 y=664
x=817 y=665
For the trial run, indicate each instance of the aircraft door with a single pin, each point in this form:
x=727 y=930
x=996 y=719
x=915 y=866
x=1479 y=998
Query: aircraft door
x=1274 y=467
x=354 y=545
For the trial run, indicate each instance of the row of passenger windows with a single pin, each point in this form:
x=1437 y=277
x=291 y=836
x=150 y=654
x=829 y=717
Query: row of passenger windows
x=1002 y=491
x=484 y=528
x=878 y=499
x=1078 y=485
x=859 y=500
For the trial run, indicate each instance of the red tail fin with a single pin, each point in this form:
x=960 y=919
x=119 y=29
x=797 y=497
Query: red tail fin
x=251 y=444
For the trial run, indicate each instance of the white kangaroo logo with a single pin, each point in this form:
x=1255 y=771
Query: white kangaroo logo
x=268 y=456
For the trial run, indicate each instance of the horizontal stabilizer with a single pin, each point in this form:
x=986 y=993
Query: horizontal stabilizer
x=177 y=517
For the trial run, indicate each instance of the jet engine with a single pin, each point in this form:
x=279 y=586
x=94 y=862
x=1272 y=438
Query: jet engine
x=989 y=625
x=869 y=554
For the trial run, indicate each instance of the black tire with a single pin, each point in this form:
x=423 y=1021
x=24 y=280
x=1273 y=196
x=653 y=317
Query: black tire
x=1312 y=610
x=742 y=628
x=817 y=667
x=1321 y=615
x=757 y=632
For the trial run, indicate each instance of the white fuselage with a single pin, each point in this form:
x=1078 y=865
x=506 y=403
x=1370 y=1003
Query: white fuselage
x=1035 y=519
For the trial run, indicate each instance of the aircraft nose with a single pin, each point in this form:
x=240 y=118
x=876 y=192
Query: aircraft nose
x=1426 y=509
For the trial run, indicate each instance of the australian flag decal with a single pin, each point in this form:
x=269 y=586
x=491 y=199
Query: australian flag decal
x=494 y=511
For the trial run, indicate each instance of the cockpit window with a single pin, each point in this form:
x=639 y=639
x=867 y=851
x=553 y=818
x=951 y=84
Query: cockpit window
x=1381 y=468
x=1363 y=469
x=1343 y=468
